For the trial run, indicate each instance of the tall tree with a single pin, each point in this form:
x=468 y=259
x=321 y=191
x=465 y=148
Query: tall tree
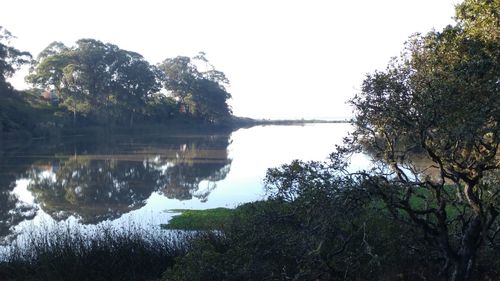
x=180 y=75
x=13 y=108
x=210 y=101
x=480 y=18
x=134 y=82
x=10 y=59
x=53 y=69
x=200 y=93
x=96 y=78
x=441 y=98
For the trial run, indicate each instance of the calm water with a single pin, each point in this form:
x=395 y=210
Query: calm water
x=87 y=181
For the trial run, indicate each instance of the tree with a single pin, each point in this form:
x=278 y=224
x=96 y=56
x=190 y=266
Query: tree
x=440 y=98
x=179 y=76
x=10 y=58
x=134 y=82
x=200 y=93
x=96 y=78
x=53 y=69
x=480 y=18
x=15 y=113
x=49 y=69
x=209 y=101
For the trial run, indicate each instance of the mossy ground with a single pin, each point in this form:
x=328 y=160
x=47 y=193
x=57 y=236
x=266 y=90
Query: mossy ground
x=210 y=219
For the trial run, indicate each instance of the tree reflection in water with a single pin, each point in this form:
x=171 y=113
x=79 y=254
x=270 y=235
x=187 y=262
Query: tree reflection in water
x=100 y=182
x=12 y=210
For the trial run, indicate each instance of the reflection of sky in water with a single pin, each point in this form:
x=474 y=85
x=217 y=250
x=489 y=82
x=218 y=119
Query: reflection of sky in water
x=251 y=151
x=22 y=193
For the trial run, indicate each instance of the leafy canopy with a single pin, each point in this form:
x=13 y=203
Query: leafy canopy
x=201 y=93
x=96 y=78
x=10 y=58
x=440 y=102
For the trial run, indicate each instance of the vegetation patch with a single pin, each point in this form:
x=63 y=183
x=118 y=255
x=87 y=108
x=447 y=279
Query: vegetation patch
x=106 y=253
x=210 y=219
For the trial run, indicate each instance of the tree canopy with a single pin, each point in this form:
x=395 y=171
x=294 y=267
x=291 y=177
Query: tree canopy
x=103 y=83
x=98 y=83
x=441 y=99
x=96 y=78
x=14 y=110
x=10 y=58
x=201 y=93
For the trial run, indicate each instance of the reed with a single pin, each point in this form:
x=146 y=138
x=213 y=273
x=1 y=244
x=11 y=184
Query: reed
x=103 y=253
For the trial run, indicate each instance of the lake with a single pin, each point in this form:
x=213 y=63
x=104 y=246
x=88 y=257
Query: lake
x=122 y=179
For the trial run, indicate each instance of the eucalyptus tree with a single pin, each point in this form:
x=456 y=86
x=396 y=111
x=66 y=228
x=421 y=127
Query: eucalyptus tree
x=10 y=58
x=50 y=64
x=94 y=78
x=440 y=98
x=201 y=93
x=52 y=70
x=179 y=76
x=210 y=101
x=133 y=83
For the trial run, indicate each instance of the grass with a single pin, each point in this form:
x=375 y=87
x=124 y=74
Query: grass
x=210 y=219
x=63 y=253
x=59 y=253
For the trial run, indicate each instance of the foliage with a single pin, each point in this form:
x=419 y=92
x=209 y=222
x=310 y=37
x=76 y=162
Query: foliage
x=96 y=83
x=160 y=109
x=320 y=224
x=284 y=238
x=480 y=18
x=440 y=97
x=97 y=79
x=327 y=230
x=406 y=218
x=10 y=59
x=403 y=220
x=103 y=84
x=15 y=113
x=200 y=93
x=106 y=253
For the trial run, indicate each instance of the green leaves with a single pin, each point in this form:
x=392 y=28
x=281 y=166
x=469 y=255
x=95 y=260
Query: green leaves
x=97 y=79
x=105 y=83
x=10 y=58
x=201 y=94
x=440 y=101
x=480 y=18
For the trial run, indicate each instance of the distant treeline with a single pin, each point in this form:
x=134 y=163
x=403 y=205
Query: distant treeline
x=244 y=121
x=96 y=83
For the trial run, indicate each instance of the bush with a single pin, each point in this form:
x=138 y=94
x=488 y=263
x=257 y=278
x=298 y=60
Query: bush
x=316 y=226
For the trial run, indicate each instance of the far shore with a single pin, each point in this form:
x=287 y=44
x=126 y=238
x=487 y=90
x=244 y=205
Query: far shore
x=245 y=121
x=174 y=126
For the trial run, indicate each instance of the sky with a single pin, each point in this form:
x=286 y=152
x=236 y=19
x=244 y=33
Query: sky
x=284 y=58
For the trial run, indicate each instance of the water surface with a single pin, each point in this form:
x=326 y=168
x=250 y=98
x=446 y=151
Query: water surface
x=119 y=179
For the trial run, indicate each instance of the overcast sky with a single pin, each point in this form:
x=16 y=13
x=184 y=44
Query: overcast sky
x=285 y=59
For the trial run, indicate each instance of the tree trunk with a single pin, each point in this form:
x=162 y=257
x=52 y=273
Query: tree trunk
x=459 y=272
x=471 y=241
x=462 y=269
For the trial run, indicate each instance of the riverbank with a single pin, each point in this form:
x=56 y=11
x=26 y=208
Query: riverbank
x=249 y=122
x=54 y=132
x=309 y=238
